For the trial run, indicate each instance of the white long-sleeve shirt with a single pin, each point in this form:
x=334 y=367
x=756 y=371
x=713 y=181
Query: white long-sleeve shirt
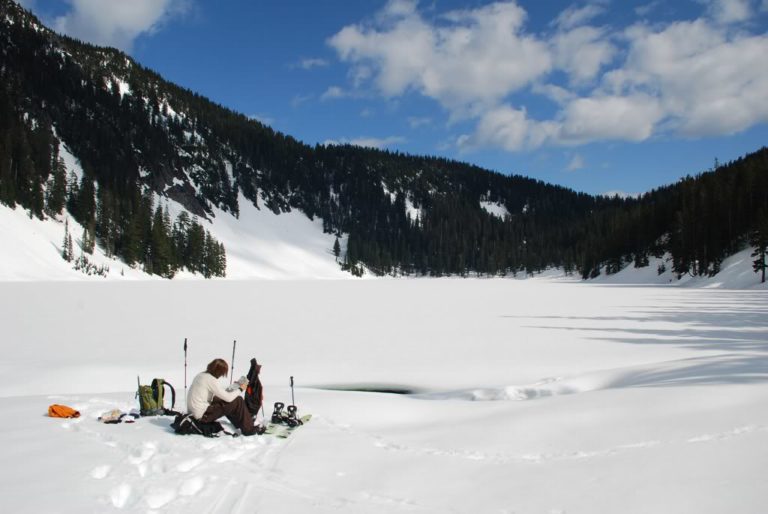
x=204 y=387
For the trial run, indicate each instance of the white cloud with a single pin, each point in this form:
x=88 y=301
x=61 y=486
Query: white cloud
x=706 y=81
x=311 y=63
x=298 y=100
x=265 y=120
x=116 y=22
x=367 y=142
x=628 y=118
x=467 y=62
x=508 y=128
x=687 y=78
x=576 y=163
x=374 y=142
x=730 y=11
x=582 y=52
x=332 y=93
x=575 y=16
x=555 y=93
x=646 y=9
x=583 y=120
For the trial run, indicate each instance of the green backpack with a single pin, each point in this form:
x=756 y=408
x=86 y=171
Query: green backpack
x=151 y=398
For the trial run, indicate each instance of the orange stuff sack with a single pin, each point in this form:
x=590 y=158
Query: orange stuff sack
x=62 y=411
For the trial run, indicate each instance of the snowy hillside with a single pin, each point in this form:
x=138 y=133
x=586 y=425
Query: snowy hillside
x=264 y=245
x=529 y=397
x=260 y=245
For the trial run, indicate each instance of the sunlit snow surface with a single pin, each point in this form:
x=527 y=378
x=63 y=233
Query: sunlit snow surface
x=531 y=396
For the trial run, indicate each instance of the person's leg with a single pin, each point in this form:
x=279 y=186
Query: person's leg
x=235 y=411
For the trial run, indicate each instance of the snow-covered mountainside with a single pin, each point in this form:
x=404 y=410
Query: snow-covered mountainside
x=260 y=245
x=264 y=245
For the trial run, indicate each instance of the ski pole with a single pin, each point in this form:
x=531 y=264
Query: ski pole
x=185 y=370
x=293 y=400
x=232 y=367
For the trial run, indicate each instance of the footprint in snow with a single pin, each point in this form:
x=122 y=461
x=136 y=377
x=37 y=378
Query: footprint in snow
x=157 y=498
x=189 y=465
x=100 y=472
x=228 y=457
x=120 y=495
x=192 y=486
x=147 y=452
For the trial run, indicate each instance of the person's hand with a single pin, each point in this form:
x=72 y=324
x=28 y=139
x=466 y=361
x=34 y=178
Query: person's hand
x=243 y=386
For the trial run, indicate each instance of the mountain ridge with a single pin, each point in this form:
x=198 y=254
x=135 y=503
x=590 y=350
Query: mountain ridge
x=136 y=133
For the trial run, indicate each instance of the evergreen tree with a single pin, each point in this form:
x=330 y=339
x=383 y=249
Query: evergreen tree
x=57 y=188
x=160 y=246
x=759 y=240
x=86 y=201
x=88 y=241
x=73 y=193
x=66 y=245
x=336 y=249
x=106 y=223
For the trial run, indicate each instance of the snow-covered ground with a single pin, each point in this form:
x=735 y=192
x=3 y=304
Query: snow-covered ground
x=537 y=396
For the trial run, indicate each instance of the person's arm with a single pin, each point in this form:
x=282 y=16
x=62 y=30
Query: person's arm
x=221 y=392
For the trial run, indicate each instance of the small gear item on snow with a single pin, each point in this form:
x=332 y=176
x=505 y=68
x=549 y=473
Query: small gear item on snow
x=112 y=416
x=62 y=411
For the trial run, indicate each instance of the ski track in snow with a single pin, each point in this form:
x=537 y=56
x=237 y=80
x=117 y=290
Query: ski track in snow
x=535 y=458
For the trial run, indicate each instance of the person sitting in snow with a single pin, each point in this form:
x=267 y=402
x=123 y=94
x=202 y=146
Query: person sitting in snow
x=208 y=400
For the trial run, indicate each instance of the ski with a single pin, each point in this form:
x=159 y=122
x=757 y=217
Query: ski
x=284 y=431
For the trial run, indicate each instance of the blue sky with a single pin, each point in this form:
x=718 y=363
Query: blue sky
x=599 y=96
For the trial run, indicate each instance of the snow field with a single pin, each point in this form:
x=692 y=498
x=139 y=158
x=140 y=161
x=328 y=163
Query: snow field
x=531 y=396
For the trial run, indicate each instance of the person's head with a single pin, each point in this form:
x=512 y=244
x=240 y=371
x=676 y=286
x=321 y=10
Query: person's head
x=218 y=368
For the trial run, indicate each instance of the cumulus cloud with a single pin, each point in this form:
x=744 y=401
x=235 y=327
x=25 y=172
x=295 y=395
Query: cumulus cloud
x=730 y=11
x=467 y=60
x=688 y=78
x=508 y=128
x=582 y=52
x=628 y=118
x=116 y=22
x=706 y=81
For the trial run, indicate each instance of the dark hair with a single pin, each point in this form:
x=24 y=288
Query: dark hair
x=218 y=368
